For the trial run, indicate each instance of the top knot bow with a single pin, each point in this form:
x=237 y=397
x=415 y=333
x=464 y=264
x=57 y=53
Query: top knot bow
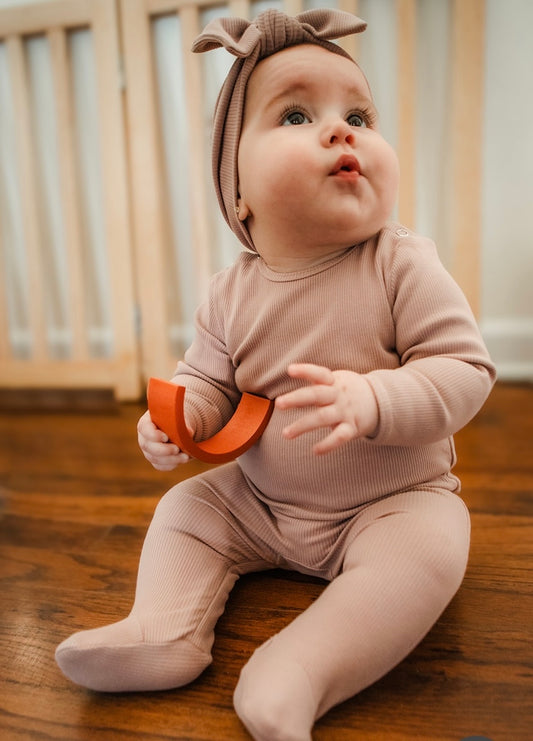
x=251 y=41
x=273 y=30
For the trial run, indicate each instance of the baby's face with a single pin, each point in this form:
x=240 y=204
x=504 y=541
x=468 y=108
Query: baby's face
x=313 y=168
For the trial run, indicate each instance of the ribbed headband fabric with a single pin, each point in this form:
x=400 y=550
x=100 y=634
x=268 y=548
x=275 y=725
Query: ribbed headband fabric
x=250 y=42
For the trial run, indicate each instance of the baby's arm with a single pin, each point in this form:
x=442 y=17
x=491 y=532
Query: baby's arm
x=211 y=397
x=156 y=447
x=341 y=400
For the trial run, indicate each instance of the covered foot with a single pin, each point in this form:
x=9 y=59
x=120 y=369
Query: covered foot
x=274 y=698
x=116 y=658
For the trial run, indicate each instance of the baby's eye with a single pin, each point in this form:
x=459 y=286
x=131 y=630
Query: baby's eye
x=356 y=119
x=294 y=118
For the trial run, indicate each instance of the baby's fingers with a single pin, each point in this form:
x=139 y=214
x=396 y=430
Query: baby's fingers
x=159 y=450
x=169 y=464
x=326 y=416
x=311 y=373
x=148 y=432
x=340 y=435
x=320 y=392
x=164 y=456
x=308 y=396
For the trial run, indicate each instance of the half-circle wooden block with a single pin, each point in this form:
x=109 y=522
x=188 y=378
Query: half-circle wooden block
x=165 y=402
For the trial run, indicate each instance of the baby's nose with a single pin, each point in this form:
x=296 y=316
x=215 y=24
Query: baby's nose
x=339 y=132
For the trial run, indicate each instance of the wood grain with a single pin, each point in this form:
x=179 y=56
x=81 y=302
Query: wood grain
x=76 y=498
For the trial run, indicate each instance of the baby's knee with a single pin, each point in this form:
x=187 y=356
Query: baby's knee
x=170 y=504
x=449 y=558
x=447 y=547
x=274 y=700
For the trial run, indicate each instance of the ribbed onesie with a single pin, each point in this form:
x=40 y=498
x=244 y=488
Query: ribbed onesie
x=378 y=518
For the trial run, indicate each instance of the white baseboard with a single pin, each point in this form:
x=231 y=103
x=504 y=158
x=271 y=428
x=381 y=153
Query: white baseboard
x=510 y=343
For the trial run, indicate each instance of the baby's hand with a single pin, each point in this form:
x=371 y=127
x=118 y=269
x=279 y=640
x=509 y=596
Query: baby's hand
x=340 y=400
x=155 y=445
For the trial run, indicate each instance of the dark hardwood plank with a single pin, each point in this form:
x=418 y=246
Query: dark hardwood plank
x=76 y=497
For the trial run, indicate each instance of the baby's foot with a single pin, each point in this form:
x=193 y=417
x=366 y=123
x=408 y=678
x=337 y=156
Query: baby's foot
x=116 y=658
x=274 y=698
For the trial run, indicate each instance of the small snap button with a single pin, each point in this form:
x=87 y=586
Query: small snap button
x=402 y=232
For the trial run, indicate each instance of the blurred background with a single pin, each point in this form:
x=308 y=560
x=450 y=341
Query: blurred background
x=109 y=227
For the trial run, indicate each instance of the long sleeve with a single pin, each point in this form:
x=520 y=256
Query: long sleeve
x=445 y=372
x=207 y=371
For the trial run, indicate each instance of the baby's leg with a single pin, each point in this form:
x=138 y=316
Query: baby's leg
x=405 y=561
x=191 y=558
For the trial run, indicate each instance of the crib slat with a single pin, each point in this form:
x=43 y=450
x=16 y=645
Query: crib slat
x=190 y=24
x=239 y=8
x=6 y=352
x=406 y=82
x=30 y=209
x=61 y=374
x=167 y=7
x=5 y=345
x=39 y=17
x=466 y=144
x=293 y=7
x=118 y=237
x=147 y=191
x=350 y=44
x=69 y=193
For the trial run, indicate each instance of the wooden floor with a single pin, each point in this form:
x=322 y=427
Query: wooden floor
x=76 y=497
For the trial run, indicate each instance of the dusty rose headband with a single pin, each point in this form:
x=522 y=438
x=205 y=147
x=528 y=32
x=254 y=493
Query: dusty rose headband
x=250 y=42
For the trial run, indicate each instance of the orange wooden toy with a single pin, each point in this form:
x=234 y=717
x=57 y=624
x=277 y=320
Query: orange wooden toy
x=165 y=402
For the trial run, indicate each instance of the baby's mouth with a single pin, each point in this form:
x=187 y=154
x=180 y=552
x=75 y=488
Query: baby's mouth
x=346 y=167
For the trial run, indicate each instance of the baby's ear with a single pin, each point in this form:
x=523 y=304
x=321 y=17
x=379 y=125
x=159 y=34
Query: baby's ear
x=241 y=209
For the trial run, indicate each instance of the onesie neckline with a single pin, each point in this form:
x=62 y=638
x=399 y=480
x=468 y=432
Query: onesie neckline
x=276 y=277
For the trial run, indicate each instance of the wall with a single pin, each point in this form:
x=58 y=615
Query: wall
x=507 y=249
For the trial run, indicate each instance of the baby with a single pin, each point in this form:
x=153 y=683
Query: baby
x=374 y=358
